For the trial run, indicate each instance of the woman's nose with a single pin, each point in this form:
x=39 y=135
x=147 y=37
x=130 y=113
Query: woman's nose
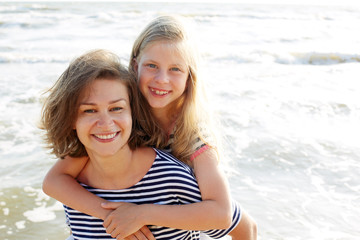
x=105 y=120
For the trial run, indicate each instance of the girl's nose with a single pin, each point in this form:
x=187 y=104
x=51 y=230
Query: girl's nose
x=162 y=77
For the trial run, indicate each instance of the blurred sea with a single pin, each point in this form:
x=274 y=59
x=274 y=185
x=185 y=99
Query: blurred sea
x=283 y=78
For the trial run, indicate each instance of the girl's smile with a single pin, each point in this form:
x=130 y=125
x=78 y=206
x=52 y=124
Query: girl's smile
x=159 y=92
x=162 y=74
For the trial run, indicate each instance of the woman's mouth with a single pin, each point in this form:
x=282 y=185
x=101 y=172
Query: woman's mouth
x=106 y=136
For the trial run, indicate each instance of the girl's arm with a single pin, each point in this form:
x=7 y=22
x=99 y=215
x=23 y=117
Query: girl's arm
x=60 y=183
x=214 y=212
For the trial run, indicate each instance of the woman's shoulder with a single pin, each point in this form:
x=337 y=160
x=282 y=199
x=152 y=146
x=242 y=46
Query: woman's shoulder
x=145 y=152
x=159 y=158
x=166 y=158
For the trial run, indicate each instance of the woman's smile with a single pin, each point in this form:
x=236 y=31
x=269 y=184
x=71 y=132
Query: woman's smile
x=108 y=136
x=104 y=121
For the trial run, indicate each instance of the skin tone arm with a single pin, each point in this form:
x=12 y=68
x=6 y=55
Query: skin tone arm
x=214 y=212
x=60 y=184
x=245 y=230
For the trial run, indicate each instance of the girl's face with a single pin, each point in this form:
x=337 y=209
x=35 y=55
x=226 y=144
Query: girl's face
x=104 y=120
x=162 y=74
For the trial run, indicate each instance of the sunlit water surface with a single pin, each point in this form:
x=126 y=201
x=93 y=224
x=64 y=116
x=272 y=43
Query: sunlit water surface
x=283 y=79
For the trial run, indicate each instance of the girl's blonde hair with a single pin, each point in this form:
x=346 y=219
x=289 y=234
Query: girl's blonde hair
x=189 y=110
x=60 y=108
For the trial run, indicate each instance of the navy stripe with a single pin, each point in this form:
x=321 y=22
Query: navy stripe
x=219 y=233
x=168 y=181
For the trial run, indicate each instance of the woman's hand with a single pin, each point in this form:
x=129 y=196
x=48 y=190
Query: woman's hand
x=125 y=221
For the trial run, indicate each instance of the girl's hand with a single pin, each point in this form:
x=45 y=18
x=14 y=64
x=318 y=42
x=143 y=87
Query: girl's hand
x=142 y=234
x=125 y=221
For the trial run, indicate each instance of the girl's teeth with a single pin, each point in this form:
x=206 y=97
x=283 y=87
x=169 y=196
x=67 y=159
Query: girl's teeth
x=107 y=136
x=160 y=92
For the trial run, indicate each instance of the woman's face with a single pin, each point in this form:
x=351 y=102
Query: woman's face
x=104 y=121
x=162 y=74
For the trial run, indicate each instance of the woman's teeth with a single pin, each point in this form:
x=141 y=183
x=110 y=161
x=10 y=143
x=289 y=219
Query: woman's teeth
x=105 y=136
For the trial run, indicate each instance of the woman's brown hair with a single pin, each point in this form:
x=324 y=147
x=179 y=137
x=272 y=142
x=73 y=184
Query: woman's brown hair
x=60 y=109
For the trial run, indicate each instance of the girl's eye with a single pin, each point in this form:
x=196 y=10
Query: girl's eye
x=175 y=69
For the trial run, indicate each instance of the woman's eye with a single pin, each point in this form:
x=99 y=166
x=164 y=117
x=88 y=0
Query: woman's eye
x=151 y=65
x=115 y=109
x=89 y=111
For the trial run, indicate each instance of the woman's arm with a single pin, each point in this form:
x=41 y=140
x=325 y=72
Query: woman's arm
x=214 y=212
x=60 y=183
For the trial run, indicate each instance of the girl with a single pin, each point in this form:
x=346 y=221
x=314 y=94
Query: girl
x=165 y=63
x=91 y=111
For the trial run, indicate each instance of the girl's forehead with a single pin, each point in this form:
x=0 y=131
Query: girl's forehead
x=170 y=48
x=167 y=45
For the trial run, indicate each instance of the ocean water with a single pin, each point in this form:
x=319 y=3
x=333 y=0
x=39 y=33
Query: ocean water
x=284 y=80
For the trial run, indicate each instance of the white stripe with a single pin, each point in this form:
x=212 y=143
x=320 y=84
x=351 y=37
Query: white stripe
x=170 y=171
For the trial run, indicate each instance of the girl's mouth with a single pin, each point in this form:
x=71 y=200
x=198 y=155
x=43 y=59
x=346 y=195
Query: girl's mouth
x=159 y=92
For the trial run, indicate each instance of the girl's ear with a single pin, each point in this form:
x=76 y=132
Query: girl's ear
x=189 y=80
x=135 y=66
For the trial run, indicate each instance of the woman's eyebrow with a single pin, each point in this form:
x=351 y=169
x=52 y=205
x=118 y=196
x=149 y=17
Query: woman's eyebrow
x=111 y=102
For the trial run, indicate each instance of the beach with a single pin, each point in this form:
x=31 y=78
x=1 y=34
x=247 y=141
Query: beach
x=282 y=79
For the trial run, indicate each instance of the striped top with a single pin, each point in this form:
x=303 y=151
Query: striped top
x=168 y=182
x=198 y=145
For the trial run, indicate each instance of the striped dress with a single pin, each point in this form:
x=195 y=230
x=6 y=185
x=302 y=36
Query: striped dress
x=168 y=182
x=199 y=147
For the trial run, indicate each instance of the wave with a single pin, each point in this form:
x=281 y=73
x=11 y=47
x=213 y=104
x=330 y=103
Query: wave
x=318 y=58
x=305 y=58
x=25 y=7
x=312 y=58
x=5 y=59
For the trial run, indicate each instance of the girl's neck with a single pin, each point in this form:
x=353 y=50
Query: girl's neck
x=164 y=119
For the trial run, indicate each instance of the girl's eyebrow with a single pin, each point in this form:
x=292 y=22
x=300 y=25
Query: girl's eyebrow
x=180 y=65
x=150 y=60
x=111 y=102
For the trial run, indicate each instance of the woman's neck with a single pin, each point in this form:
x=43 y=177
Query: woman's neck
x=118 y=172
x=109 y=172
